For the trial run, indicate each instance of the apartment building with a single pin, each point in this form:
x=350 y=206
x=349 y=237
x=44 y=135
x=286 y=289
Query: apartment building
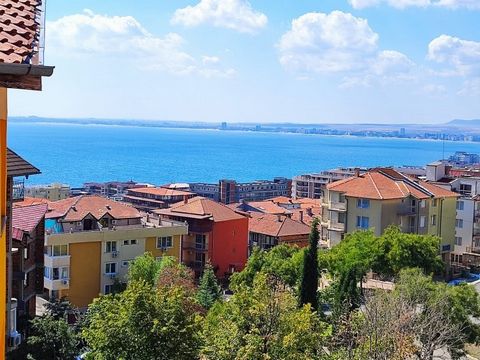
x=313 y=185
x=151 y=198
x=216 y=233
x=17 y=170
x=267 y=231
x=231 y=191
x=382 y=197
x=90 y=241
x=52 y=192
x=28 y=237
x=111 y=189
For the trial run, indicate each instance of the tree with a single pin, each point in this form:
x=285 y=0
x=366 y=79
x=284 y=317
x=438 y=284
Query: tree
x=263 y=322
x=309 y=279
x=52 y=339
x=209 y=291
x=282 y=261
x=347 y=294
x=143 y=322
x=147 y=268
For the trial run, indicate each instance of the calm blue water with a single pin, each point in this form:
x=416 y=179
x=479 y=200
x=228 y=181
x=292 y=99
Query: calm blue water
x=75 y=154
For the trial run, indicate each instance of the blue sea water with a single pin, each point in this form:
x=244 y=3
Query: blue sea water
x=75 y=154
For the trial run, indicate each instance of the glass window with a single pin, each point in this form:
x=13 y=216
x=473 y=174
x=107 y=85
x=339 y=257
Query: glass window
x=363 y=222
x=110 y=246
x=459 y=223
x=108 y=289
x=110 y=268
x=133 y=242
x=433 y=220
x=60 y=250
x=458 y=241
x=460 y=205
x=126 y=242
x=434 y=202
x=422 y=221
x=363 y=203
x=200 y=241
x=164 y=242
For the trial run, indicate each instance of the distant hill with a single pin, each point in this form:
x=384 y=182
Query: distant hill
x=465 y=123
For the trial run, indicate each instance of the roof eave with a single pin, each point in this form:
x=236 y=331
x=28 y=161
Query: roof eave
x=26 y=69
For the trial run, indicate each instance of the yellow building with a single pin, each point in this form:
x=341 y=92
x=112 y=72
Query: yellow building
x=90 y=241
x=383 y=197
x=21 y=58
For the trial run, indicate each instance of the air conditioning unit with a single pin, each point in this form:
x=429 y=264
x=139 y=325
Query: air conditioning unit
x=114 y=254
x=65 y=282
x=14 y=340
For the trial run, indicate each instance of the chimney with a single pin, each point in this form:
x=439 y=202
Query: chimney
x=301 y=216
x=309 y=212
x=357 y=172
x=185 y=199
x=279 y=218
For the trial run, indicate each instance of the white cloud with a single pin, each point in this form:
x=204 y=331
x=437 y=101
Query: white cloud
x=231 y=14
x=458 y=56
x=121 y=38
x=402 y=4
x=434 y=89
x=339 y=43
x=471 y=87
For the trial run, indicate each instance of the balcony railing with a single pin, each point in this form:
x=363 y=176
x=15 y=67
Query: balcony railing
x=337 y=206
x=336 y=226
x=473 y=249
x=18 y=190
x=192 y=245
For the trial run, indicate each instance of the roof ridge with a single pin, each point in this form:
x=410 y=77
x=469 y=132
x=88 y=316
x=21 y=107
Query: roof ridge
x=375 y=185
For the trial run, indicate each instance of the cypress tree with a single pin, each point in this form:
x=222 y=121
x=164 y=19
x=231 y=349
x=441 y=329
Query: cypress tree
x=309 y=283
x=208 y=291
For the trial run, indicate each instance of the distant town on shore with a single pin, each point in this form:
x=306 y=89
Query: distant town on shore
x=455 y=130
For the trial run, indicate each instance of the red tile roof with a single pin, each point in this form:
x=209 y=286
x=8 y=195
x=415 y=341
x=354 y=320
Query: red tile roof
x=19 y=30
x=26 y=218
x=28 y=201
x=200 y=207
x=386 y=183
x=276 y=225
x=76 y=208
x=160 y=191
x=268 y=206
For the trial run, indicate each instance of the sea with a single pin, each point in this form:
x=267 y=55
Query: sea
x=74 y=154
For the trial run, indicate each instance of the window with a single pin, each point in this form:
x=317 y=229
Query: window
x=60 y=250
x=458 y=241
x=363 y=222
x=422 y=203
x=422 y=221
x=26 y=252
x=125 y=263
x=126 y=242
x=133 y=242
x=110 y=246
x=363 y=203
x=459 y=223
x=200 y=241
x=25 y=279
x=110 y=268
x=465 y=189
x=108 y=289
x=460 y=205
x=433 y=220
x=164 y=242
x=434 y=202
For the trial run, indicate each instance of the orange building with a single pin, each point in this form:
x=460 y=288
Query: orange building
x=21 y=67
x=216 y=233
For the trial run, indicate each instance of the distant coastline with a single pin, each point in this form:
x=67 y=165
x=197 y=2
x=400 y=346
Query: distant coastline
x=455 y=130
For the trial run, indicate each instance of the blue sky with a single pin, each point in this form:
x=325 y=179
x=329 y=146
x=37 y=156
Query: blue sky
x=315 y=61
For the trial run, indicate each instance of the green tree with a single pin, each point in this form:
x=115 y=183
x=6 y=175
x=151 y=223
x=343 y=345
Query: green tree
x=147 y=268
x=348 y=297
x=309 y=279
x=282 y=261
x=52 y=339
x=208 y=291
x=263 y=322
x=143 y=322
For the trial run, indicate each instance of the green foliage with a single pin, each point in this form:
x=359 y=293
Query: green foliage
x=282 y=261
x=263 y=322
x=52 y=339
x=208 y=291
x=309 y=279
x=143 y=322
x=348 y=297
x=147 y=268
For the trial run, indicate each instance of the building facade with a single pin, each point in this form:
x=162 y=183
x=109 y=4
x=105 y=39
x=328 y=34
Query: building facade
x=383 y=197
x=215 y=233
x=231 y=191
x=52 y=192
x=151 y=198
x=90 y=241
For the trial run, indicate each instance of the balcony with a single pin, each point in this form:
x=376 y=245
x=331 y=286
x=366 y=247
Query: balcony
x=337 y=206
x=473 y=249
x=192 y=245
x=335 y=226
x=18 y=190
x=59 y=284
x=56 y=261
